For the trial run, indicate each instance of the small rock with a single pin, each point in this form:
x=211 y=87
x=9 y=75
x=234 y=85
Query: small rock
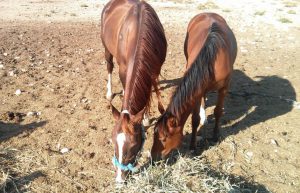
x=284 y=133
x=274 y=142
x=1 y=66
x=64 y=150
x=5 y=54
x=249 y=155
x=85 y=100
x=92 y=155
x=12 y=73
x=18 y=92
x=8 y=116
x=33 y=113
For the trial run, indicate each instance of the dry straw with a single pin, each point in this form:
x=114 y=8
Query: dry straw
x=186 y=174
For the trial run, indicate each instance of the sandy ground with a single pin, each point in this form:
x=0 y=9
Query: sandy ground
x=51 y=51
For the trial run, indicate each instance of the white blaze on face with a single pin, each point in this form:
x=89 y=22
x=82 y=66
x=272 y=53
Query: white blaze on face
x=109 y=90
x=202 y=115
x=120 y=142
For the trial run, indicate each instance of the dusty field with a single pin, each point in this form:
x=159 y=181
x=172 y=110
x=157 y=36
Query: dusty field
x=51 y=51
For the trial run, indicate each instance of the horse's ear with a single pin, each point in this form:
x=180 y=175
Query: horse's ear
x=172 y=124
x=115 y=112
x=137 y=118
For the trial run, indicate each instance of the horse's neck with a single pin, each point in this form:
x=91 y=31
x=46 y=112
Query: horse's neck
x=182 y=112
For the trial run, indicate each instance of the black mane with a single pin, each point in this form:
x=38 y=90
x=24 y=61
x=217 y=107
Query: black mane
x=200 y=73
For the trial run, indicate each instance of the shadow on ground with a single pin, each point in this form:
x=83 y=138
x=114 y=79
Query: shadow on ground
x=12 y=175
x=20 y=184
x=250 y=102
x=8 y=130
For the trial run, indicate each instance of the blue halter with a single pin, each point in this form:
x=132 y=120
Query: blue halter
x=130 y=167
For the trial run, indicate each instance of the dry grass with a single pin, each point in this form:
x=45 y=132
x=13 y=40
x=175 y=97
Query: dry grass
x=18 y=169
x=260 y=13
x=291 y=12
x=84 y=5
x=285 y=20
x=226 y=10
x=290 y=4
x=185 y=175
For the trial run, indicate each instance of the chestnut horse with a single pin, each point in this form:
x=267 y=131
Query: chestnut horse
x=132 y=33
x=210 y=49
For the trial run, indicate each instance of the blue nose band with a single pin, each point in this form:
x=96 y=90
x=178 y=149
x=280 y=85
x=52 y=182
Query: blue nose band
x=129 y=167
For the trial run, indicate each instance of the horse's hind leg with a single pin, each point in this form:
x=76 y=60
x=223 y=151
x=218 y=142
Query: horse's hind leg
x=110 y=66
x=218 y=111
x=160 y=106
x=195 y=124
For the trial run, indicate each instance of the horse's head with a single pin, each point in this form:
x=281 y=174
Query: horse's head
x=128 y=137
x=167 y=136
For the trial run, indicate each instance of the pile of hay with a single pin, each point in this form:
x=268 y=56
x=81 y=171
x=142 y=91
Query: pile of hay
x=17 y=169
x=185 y=175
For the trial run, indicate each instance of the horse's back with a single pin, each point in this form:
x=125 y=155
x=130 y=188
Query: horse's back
x=198 y=30
x=122 y=27
x=112 y=20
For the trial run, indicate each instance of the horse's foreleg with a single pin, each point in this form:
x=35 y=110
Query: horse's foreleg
x=218 y=111
x=110 y=66
x=195 y=124
x=160 y=105
x=146 y=121
x=202 y=114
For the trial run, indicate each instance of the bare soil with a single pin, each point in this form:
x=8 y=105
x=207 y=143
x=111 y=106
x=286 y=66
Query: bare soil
x=51 y=51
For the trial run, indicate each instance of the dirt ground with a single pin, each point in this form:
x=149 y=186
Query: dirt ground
x=52 y=64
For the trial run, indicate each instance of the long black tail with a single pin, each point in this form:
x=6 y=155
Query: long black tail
x=200 y=73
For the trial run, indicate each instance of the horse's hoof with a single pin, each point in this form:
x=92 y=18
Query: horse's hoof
x=203 y=121
x=215 y=139
x=109 y=97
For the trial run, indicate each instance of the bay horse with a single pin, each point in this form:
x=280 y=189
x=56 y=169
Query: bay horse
x=132 y=33
x=210 y=49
